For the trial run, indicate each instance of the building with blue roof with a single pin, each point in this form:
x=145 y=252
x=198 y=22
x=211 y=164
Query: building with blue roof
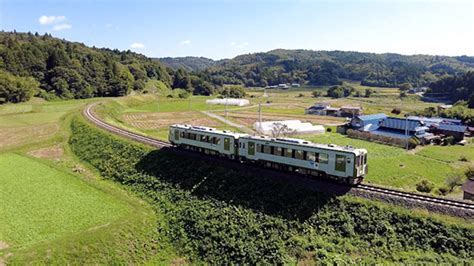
x=412 y=126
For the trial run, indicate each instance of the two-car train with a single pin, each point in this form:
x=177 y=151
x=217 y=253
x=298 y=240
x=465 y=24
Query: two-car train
x=344 y=164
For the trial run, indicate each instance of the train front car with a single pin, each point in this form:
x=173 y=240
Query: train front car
x=344 y=164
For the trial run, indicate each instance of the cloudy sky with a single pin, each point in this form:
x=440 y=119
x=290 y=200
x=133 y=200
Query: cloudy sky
x=224 y=28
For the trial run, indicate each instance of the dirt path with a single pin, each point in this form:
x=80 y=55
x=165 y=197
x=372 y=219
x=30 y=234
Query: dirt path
x=228 y=122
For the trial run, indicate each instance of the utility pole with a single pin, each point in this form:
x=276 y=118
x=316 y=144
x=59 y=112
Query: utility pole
x=406 y=131
x=226 y=108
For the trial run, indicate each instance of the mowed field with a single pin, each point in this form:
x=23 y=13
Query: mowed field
x=53 y=209
x=388 y=166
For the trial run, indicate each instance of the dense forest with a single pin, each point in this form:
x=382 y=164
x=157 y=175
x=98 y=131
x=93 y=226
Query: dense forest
x=328 y=68
x=454 y=88
x=67 y=70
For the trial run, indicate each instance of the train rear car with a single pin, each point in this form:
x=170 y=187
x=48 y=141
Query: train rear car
x=205 y=139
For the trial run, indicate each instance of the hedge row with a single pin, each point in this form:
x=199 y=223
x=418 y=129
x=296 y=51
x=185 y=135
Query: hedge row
x=412 y=142
x=222 y=216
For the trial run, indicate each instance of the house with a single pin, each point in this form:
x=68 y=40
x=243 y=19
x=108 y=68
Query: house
x=350 y=111
x=444 y=107
x=418 y=90
x=283 y=86
x=318 y=109
x=295 y=85
x=468 y=189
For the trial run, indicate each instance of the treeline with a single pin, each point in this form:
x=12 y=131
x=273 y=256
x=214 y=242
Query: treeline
x=454 y=88
x=70 y=70
x=329 y=68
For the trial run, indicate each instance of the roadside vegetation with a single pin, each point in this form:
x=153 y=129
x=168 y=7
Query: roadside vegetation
x=216 y=215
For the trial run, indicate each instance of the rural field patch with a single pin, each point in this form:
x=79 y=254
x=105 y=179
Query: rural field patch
x=10 y=137
x=41 y=203
x=160 y=120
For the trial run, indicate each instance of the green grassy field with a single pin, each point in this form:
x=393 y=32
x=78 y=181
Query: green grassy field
x=53 y=210
x=41 y=203
x=393 y=166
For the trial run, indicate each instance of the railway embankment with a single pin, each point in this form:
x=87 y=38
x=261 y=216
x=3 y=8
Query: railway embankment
x=220 y=215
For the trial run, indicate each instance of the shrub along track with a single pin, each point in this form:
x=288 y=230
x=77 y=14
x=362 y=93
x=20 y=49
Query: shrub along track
x=408 y=199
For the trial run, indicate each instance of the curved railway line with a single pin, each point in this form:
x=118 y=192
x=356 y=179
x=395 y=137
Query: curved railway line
x=415 y=200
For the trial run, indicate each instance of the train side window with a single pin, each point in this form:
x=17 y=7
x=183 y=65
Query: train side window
x=218 y=141
x=181 y=134
x=176 y=134
x=288 y=153
x=299 y=155
x=278 y=151
x=365 y=158
x=340 y=163
x=267 y=149
x=243 y=145
x=251 y=150
x=323 y=158
x=226 y=144
x=311 y=156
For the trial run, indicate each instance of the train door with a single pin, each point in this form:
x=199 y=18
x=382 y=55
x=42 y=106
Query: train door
x=251 y=148
x=176 y=134
x=226 y=144
x=340 y=163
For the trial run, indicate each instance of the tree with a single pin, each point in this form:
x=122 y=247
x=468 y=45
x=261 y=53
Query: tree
x=281 y=130
x=233 y=92
x=317 y=93
x=368 y=93
x=16 y=89
x=405 y=86
x=453 y=181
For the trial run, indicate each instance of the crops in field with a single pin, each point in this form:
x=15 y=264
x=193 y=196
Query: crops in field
x=217 y=215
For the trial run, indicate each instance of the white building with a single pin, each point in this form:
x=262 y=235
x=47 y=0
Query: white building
x=229 y=101
x=293 y=126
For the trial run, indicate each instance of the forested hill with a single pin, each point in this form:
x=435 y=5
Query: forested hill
x=330 y=67
x=189 y=63
x=32 y=64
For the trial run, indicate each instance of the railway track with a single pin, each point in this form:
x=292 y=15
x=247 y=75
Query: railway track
x=386 y=192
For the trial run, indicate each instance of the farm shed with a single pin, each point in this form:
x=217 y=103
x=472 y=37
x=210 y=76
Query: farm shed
x=468 y=189
x=456 y=131
x=293 y=126
x=350 y=111
x=229 y=101
x=368 y=122
x=318 y=109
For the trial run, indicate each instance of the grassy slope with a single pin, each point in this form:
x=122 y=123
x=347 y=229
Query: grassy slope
x=55 y=215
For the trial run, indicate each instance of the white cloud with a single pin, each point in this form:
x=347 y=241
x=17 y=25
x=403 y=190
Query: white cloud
x=185 y=42
x=137 y=45
x=60 y=27
x=233 y=43
x=47 y=20
x=109 y=25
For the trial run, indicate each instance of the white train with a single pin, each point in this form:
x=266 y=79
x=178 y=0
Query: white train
x=344 y=164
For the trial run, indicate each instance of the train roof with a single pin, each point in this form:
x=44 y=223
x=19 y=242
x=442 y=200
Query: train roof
x=305 y=143
x=210 y=130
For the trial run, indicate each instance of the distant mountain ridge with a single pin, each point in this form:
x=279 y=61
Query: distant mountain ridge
x=324 y=68
x=189 y=63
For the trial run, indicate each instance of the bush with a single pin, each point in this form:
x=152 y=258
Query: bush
x=443 y=191
x=449 y=140
x=463 y=158
x=317 y=93
x=396 y=111
x=424 y=186
x=469 y=173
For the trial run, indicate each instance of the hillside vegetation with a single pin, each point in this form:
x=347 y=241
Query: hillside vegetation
x=221 y=216
x=189 y=63
x=70 y=70
x=329 y=68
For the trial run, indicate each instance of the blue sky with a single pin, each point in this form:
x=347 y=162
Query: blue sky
x=224 y=28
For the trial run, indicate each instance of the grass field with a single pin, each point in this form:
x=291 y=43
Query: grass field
x=52 y=209
x=42 y=203
x=393 y=166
